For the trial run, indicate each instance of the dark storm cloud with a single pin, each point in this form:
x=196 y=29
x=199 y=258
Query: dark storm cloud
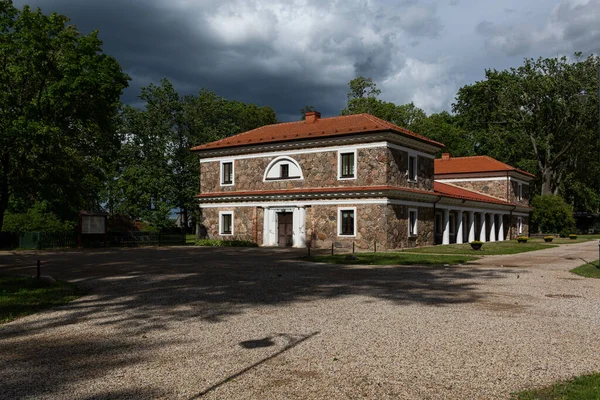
x=240 y=52
x=152 y=43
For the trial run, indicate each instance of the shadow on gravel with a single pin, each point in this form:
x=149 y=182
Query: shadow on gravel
x=46 y=366
x=139 y=292
x=147 y=289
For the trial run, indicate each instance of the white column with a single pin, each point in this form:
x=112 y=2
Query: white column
x=500 y=227
x=446 y=224
x=299 y=218
x=482 y=232
x=492 y=227
x=459 y=228
x=266 y=223
x=471 y=226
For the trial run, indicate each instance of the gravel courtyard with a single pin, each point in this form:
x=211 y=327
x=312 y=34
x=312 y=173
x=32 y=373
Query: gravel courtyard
x=215 y=323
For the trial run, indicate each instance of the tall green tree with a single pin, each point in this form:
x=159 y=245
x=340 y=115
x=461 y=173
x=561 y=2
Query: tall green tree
x=59 y=98
x=530 y=116
x=156 y=172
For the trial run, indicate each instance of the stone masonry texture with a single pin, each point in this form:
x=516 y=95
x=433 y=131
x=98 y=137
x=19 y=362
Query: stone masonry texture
x=375 y=167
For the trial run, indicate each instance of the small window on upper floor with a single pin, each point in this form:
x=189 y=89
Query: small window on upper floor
x=285 y=171
x=412 y=168
x=227 y=173
x=520 y=192
x=347 y=165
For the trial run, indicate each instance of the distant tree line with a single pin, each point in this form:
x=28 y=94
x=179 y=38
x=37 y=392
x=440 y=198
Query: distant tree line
x=67 y=143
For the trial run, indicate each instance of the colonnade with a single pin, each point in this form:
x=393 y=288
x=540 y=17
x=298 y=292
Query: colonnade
x=471 y=231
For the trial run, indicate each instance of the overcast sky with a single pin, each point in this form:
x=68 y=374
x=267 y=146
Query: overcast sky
x=288 y=54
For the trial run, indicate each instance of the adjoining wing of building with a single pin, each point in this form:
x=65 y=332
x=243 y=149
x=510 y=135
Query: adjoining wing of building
x=354 y=178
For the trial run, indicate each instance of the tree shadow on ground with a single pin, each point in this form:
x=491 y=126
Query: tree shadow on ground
x=134 y=292
x=150 y=287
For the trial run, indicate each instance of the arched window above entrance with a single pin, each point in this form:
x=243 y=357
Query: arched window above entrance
x=283 y=168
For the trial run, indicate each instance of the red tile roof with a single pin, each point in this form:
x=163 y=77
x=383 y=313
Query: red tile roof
x=459 y=193
x=321 y=127
x=461 y=165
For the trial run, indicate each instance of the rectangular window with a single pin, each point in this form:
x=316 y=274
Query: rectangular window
x=520 y=225
x=227 y=173
x=285 y=171
x=412 y=222
x=226 y=223
x=520 y=192
x=412 y=168
x=346 y=222
x=347 y=170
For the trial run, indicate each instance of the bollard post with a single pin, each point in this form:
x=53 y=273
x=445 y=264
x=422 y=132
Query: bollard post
x=38 y=269
x=331 y=248
x=374 y=246
x=352 y=247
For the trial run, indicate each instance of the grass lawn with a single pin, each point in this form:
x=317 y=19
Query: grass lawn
x=585 y=387
x=488 y=248
x=20 y=296
x=393 y=259
x=190 y=238
x=589 y=271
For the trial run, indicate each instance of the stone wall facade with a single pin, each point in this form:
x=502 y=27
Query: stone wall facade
x=514 y=193
x=385 y=226
x=493 y=188
x=247 y=223
x=374 y=167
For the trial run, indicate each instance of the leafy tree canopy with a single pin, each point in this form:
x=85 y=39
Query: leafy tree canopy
x=531 y=117
x=155 y=171
x=59 y=98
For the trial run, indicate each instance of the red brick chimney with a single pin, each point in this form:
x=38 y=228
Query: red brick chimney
x=312 y=117
x=445 y=156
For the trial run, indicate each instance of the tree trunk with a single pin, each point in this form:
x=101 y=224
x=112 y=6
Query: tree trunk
x=4 y=186
x=547 y=181
x=184 y=220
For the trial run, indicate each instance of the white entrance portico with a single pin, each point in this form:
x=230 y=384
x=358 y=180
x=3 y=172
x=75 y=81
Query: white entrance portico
x=272 y=229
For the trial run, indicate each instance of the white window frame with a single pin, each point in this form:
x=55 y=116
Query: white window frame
x=416 y=165
x=416 y=232
x=339 y=172
x=520 y=225
x=339 y=220
x=232 y=172
x=221 y=214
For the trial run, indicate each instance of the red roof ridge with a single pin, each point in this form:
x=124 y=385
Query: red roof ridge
x=356 y=123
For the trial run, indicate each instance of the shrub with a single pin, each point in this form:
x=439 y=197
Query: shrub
x=476 y=242
x=36 y=219
x=548 y=238
x=552 y=214
x=522 y=239
x=225 y=243
x=572 y=236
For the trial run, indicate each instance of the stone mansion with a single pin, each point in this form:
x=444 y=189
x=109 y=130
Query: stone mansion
x=354 y=179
